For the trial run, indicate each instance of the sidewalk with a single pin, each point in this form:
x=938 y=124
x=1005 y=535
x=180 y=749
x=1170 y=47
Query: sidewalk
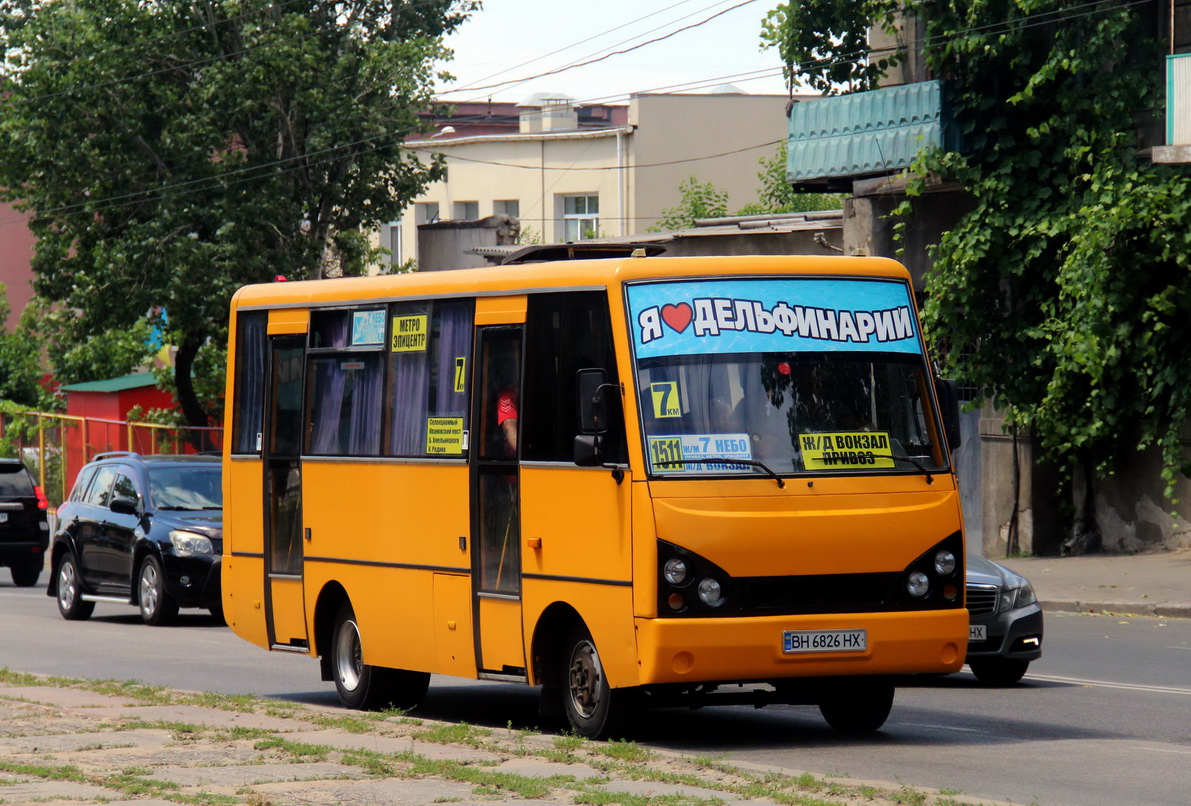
x=132 y=745
x=1152 y=584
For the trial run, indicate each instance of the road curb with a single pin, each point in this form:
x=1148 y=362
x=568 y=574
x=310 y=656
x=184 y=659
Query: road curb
x=1166 y=610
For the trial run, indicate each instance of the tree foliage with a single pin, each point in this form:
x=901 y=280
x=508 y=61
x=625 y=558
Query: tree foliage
x=704 y=200
x=778 y=196
x=824 y=43
x=697 y=200
x=174 y=151
x=1066 y=292
x=20 y=368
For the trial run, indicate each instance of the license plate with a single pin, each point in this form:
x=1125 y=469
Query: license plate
x=3 y=517
x=977 y=632
x=794 y=641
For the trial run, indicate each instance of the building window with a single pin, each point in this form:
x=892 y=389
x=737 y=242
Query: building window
x=467 y=210
x=509 y=207
x=390 y=239
x=426 y=212
x=580 y=217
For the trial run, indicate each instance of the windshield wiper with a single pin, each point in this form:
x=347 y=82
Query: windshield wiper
x=929 y=478
x=727 y=461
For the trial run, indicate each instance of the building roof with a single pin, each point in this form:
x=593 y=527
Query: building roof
x=765 y=224
x=134 y=381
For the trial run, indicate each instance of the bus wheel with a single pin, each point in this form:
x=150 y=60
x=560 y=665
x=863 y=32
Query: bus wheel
x=858 y=707
x=367 y=687
x=593 y=708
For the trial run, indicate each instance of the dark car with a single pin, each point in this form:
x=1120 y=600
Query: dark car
x=1005 y=633
x=24 y=529
x=140 y=530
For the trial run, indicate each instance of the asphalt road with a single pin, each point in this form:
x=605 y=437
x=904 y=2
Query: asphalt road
x=1102 y=719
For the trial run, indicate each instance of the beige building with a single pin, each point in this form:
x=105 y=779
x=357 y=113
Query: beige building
x=567 y=180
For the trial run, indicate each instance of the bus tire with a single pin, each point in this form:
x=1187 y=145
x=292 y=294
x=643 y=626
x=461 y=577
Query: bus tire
x=859 y=707
x=593 y=708
x=364 y=687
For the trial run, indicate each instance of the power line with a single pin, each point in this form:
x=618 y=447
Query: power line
x=609 y=55
x=468 y=87
x=683 y=161
x=238 y=176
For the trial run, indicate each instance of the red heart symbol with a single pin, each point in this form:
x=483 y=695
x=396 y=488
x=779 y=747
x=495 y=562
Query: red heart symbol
x=677 y=316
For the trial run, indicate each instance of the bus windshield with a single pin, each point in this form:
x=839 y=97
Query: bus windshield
x=782 y=376
x=792 y=412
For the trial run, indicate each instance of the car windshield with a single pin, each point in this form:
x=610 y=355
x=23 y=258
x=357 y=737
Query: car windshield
x=196 y=487
x=782 y=376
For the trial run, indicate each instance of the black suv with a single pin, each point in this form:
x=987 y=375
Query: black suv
x=24 y=529
x=140 y=530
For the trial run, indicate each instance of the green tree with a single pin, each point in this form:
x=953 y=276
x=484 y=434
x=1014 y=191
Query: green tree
x=20 y=365
x=174 y=151
x=1066 y=293
x=824 y=43
x=778 y=196
x=696 y=200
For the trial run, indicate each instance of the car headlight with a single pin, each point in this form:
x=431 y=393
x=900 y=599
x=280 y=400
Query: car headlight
x=1020 y=593
x=189 y=544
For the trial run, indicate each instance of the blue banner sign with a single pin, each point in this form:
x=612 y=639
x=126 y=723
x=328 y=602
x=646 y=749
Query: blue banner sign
x=772 y=315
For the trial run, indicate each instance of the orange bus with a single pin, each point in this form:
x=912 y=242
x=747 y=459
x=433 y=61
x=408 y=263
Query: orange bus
x=629 y=481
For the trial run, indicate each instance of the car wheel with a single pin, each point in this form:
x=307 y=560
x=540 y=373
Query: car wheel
x=999 y=671
x=26 y=574
x=70 y=593
x=365 y=687
x=593 y=708
x=157 y=606
x=858 y=706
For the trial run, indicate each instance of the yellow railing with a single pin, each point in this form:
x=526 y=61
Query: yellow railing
x=56 y=446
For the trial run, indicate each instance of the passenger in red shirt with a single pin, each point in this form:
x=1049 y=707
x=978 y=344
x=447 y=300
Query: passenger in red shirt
x=507 y=416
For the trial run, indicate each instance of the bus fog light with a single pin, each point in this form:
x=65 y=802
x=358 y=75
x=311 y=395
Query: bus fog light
x=711 y=593
x=676 y=601
x=944 y=562
x=674 y=571
x=918 y=585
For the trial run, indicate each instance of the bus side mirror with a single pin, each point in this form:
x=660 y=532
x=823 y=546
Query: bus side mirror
x=592 y=391
x=949 y=409
x=587 y=450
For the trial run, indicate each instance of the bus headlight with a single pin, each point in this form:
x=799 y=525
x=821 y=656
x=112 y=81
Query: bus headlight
x=675 y=571
x=710 y=592
x=189 y=544
x=918 y=584
x=944 y=562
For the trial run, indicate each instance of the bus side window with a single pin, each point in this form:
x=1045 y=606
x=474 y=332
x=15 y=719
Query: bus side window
x=248 y=409
x=565 y=332
x=429 y=364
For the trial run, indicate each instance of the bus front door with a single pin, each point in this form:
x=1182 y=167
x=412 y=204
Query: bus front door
x=496 y=503
x=286 y=615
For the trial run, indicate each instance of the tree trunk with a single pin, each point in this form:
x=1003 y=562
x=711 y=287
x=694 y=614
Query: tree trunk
x=192 y=410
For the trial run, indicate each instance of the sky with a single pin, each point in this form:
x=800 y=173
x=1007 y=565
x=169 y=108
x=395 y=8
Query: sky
x=509 y=40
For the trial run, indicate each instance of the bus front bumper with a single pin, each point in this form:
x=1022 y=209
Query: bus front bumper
x=698 y=650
